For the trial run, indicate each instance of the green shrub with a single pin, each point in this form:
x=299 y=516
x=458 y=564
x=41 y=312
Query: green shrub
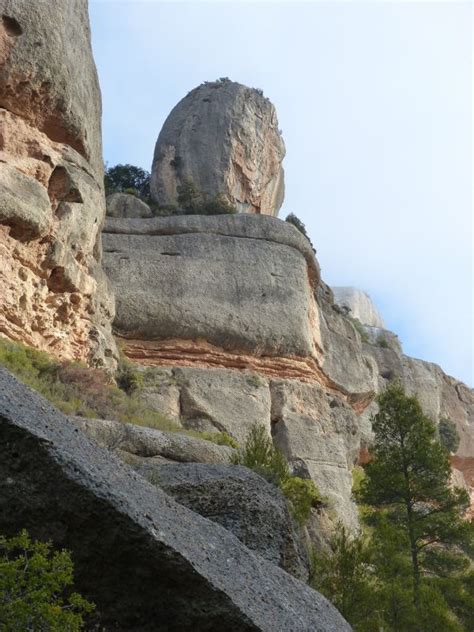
x=448 y=434
x=220 y=438
x=382 y=342
x=189 y=198
x=35 y=588
x=259 y=454
x=360 y=328
x=303 y=495
x=127 y=178
x=195 y=202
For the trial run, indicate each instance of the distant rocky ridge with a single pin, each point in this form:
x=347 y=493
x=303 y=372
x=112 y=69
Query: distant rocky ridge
x=224 y=137
x=54 y=295
x=359 y=304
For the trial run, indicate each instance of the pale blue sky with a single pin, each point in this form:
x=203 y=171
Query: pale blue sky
x=375 y=103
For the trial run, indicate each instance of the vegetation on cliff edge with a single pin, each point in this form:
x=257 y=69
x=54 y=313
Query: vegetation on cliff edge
x=412 y=568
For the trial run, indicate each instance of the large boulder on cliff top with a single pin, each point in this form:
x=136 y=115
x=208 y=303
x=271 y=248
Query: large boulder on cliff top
x=54 y=294
x=225 y=138
x=147 y=562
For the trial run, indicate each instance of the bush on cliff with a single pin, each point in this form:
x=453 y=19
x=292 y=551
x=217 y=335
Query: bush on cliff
x=448 y=435
x=260 y=454
x=127 y=179
x=195 y=202
x=35 y=588
x=79 y=390
x=415 y=559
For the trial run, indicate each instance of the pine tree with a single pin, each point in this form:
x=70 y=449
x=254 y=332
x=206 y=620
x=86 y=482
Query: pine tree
x=407 y=486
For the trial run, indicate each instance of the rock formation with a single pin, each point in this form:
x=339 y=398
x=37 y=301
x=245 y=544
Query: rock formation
x=359 y=304
x=53 y=295
x=126 y=205
x=147 y=562
x=225 y=138
x=231 y=312
x=226 y=307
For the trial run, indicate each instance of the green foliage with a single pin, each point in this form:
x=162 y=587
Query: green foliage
x=448 y=435
x=345 y=576
x=220 y=438
x=360 y=328
x=127 y=179
x=303 y=495
x=416 y=516
x=189 y=198
x=259 y=454
x=297 y=223
x=35 y=588
x=79 y=390
x=382 y=342
x=195 y=202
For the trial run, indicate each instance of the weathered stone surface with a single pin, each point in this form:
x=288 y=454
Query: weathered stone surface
x=319 y=435
x=360 y=305
x=126 y=206
x=242 y=502
x=51 y=184
x=223 y=400
x=147 y=562
x=239 y=283
x=225 y=138
x=161 y=392
x=152 y=444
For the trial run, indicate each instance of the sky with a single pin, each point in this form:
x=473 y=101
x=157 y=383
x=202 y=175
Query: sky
x=375 y=103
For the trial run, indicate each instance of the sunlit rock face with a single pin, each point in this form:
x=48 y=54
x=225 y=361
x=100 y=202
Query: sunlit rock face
x=360 y=305
x=54 y=294
x=224 y=137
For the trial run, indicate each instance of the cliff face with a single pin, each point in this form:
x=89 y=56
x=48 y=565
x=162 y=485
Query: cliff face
x=232 y=312
x=225 y=138
x=54 y=294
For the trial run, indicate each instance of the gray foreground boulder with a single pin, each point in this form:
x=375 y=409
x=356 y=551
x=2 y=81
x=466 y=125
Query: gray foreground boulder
x=147 y=562
x=242 y=502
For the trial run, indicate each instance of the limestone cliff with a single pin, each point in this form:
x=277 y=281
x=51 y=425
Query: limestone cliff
x=232 y=313
x=225 y=138
x=54 y=295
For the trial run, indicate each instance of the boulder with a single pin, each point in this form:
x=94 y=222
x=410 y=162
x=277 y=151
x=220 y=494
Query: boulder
x=54 y=295
x=242 y=502
x=147 y=562
x=224 y=137
x=138 y=444
x=125 y=205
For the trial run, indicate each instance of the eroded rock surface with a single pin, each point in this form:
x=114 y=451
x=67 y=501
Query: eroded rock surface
x=147 y=562
x=54 y=294
x=126 y=206
x=242 y=502
x=237 y=283
x=225 y=138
